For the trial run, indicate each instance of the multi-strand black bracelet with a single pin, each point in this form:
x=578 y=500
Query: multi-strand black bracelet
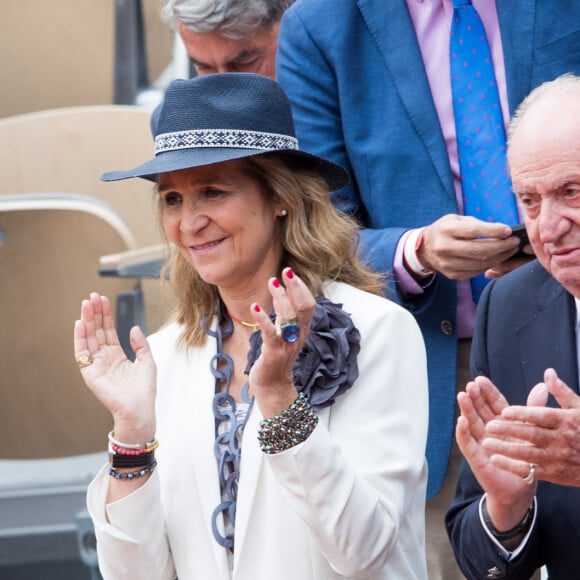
x=120 y=460
x=127 y=455
x=292 y=427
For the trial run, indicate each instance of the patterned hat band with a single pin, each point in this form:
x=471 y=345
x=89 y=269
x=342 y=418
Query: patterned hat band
x=221 y=117
x=229 y=138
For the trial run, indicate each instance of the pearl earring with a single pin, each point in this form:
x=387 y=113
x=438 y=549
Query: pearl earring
x=283 y=213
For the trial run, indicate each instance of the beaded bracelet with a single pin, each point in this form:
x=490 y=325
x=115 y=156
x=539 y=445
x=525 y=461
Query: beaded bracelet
x=132 y=446
x=291 y=427
x=142 y=460
x=116 y=449
x=132 y=474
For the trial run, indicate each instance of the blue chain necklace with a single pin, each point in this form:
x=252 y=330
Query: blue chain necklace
x=326 y=368
x=229 y=424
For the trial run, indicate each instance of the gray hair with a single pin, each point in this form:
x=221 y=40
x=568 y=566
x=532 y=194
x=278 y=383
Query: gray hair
x=233 y=18
x=565 y=84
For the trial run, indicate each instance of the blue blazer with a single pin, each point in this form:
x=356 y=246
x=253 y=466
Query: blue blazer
x=360 y=96
x=525 y=324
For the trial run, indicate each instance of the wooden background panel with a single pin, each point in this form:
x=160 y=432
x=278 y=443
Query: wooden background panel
x=60 y=53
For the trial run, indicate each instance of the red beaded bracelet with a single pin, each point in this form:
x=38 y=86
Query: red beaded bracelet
x=116 y=449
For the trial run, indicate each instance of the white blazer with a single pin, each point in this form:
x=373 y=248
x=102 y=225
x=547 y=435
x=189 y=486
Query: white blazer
x=347 y=503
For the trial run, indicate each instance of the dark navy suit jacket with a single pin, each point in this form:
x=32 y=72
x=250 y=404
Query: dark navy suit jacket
x=525 y=324
x=360 y=96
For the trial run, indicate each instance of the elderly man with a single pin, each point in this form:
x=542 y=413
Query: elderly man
x=228 y=36
x=517 y=506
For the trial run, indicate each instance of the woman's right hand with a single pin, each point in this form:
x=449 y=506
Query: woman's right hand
x=127 y=389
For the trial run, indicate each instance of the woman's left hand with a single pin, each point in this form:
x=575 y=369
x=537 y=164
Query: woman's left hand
x=271 y=377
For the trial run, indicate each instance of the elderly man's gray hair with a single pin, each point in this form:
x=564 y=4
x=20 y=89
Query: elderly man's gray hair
x=233 y=18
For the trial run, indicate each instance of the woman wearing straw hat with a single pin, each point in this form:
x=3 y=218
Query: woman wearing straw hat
x=276 y=427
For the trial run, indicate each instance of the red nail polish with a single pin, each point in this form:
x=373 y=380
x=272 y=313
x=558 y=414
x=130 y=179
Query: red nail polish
x=257 y=308
x=290 y=273
x=276 y=283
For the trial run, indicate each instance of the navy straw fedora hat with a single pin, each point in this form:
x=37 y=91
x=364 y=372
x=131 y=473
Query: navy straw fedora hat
x=220 y=117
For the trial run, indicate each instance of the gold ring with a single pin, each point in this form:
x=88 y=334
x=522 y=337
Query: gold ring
x=531 y=477
x=84 y=361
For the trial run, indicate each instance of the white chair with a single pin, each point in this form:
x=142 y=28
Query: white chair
x=67 y=150
x=53 y=429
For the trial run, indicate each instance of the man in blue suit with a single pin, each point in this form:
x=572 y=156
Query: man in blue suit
x=369 y=85
x=517 y=506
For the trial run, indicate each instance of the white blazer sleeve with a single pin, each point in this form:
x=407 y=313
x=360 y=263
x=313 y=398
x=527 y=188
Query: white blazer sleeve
x=131 y=541
x=358 y=481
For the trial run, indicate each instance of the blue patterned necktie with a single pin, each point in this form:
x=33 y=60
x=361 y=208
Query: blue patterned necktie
x=481 y=142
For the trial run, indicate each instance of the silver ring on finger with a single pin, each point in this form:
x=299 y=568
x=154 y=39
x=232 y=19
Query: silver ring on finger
x=530 y=479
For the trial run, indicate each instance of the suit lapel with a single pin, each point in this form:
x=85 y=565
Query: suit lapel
x=390 y=26
x=518 y=47
x=550 y=336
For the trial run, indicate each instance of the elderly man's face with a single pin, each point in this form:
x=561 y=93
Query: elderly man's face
x=211 y=52
x=544 y=159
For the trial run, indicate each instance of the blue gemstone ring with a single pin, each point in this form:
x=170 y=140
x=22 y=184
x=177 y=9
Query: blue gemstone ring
x=290 y=331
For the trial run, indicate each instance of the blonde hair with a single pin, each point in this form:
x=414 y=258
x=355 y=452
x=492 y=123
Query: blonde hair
x=319 y=243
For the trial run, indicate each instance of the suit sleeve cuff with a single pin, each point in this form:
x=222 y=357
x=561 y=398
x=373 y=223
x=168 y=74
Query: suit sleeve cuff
x=509 y=556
